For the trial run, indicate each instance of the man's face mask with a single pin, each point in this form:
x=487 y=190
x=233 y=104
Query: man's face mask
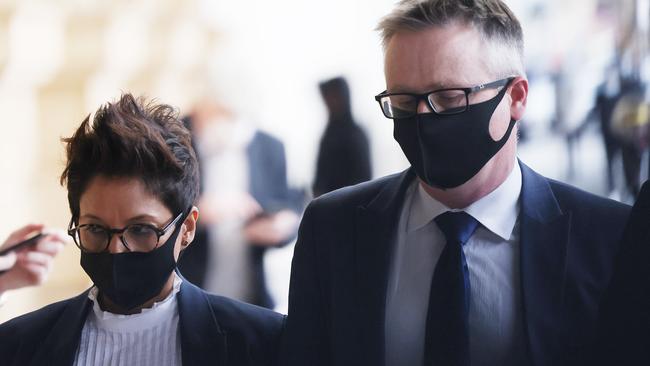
x=447 y=150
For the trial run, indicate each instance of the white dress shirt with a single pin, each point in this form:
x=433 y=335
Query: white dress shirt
x=496 y=335
x=150 y=337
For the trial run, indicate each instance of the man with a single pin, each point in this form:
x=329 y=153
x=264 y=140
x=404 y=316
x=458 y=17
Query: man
x=469 y=256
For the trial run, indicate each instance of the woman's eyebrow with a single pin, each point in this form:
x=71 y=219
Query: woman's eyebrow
x=143 y=217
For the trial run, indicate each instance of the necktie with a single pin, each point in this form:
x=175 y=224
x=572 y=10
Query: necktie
x=447 y=338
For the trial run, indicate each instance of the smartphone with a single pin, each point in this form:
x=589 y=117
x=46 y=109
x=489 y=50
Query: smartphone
x=30 y=241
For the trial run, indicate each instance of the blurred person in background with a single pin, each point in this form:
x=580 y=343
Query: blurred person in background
x=469 y=257
x=28 y=266
x=607 y=95
x=246 y=204
x=344 y=153
x=132 y=180
x=630 y=126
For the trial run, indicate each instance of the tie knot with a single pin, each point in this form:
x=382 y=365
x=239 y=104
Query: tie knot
x=458 y=227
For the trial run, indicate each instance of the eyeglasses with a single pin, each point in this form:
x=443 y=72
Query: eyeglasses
x=441 y=101
x=136 y=237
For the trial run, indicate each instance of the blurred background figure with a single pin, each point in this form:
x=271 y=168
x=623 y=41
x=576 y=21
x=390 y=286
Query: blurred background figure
x=344 y=153
x=31 y=265
x=607 y=96
x=629 y=127
x=246 y=205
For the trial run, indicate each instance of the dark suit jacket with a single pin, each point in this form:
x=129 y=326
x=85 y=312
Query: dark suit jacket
x=214 y=331
x=268 y=185
x=341 y=266
x=625 y=315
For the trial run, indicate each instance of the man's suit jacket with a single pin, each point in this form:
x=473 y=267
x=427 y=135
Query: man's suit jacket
x=341 y=266
x=214 y=331
x=625 y=315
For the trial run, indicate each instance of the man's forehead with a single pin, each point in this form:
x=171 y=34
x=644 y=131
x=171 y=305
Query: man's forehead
x=435 y=58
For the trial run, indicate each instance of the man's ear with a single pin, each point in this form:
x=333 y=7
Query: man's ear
x=518 y=96
x=189 y=227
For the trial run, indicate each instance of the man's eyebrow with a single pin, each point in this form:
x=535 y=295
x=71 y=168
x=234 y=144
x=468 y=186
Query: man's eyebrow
x=430 y=87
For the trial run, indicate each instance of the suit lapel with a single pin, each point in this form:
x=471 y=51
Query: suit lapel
x=544 y=236
x=60 y=346
x=375 y=233
x=202 y=342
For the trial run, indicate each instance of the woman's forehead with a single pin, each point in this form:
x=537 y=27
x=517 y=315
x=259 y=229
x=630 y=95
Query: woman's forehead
x=110 y=198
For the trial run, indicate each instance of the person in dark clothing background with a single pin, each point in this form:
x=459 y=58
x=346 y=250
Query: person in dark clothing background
x=344 y=154
x=607 y=96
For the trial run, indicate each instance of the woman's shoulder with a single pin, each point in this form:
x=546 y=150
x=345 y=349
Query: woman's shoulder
x=43 y=318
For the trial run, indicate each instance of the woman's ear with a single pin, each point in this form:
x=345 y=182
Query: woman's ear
x=189 y=227
x=518 y=96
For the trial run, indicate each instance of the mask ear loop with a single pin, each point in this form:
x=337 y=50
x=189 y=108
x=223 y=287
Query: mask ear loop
x=184 y=243
x=502 y=141
x=506 y=135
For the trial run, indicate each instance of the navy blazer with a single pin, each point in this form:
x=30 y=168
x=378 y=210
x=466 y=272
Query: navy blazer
x=625 y=314
x=341 y=264
x=214 y=330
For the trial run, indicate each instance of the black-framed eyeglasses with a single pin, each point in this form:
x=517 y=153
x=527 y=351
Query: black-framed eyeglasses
x=94 y=238
x=441 y=101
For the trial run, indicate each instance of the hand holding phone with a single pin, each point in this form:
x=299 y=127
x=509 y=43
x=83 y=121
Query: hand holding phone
x=27 y=242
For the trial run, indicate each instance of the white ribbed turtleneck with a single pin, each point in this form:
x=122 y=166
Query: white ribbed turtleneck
x=148 y=338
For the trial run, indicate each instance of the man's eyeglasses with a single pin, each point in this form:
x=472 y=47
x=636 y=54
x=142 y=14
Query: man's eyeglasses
x=441 y=101
x=94 y=238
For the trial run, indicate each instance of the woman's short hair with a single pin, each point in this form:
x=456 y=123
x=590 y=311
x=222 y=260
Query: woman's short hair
x=133 y=138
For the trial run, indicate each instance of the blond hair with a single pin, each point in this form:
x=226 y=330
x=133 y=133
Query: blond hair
x=495 y=22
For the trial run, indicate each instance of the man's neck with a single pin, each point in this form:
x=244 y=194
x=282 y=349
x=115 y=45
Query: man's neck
x=473 y=190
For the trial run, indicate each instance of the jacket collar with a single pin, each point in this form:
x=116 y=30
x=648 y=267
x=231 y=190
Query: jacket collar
x=544 y=241
x=544 y=236
x=202 y=341
x=377 y=225
x=60 y=346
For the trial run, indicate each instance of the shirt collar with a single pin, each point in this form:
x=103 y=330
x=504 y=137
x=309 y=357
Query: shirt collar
x=497 y=211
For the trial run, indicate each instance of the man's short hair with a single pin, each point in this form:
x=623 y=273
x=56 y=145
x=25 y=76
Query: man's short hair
x=492 y=18
x=134 y=138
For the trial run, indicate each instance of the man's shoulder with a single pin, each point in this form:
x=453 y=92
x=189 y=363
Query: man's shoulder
x=578 y=201
x=357 y=195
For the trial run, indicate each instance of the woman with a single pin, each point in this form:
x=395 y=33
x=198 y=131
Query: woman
x=132 y=181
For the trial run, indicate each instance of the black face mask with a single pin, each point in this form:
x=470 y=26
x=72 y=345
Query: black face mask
x=132 y=278
x=448 y=150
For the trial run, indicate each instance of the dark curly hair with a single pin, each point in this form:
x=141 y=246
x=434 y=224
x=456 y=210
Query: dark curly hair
x=133 y=138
